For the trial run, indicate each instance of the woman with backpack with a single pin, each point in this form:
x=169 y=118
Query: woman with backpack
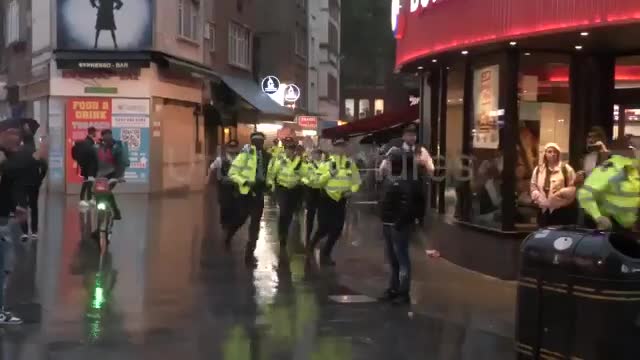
x=553 y=189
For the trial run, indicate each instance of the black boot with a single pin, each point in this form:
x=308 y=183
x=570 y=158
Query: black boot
x=388 y=295
x=250 y=259
x=402 y=299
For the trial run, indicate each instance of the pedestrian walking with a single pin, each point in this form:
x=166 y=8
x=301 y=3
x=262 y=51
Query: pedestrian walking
x=85 y=154
x=553 y=189
x=225 y=188
x=249 y=173
x=285 y=177
x=338 y=178
x=398 y=217
x=312 y=190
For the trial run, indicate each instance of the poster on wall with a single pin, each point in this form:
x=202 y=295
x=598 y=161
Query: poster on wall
x=486 y=90
x=131 y=125
x=83 y=113
x=105 y=24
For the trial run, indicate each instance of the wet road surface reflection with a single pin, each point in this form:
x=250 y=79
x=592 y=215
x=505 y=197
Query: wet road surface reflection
x=168 y=289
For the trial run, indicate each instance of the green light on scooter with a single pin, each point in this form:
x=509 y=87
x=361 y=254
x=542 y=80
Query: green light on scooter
x=98 y=299
x=102 y=206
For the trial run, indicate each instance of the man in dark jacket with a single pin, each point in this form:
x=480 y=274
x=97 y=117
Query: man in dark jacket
x=398 y=219
x=86 y=156
x=112 y=162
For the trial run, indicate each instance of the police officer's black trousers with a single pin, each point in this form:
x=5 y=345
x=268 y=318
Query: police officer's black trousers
x=248 y=206
x=331 y=218
x=312 y=202
x=288 y=202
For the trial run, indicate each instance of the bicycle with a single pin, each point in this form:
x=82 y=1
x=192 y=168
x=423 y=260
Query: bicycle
x=102 y=191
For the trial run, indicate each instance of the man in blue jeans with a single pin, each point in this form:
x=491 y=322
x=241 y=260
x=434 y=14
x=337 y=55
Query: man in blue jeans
x=398 y=220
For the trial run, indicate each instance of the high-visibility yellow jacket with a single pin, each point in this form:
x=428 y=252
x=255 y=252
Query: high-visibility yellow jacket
x=613 y=190
x=310 y=173
x=285 y=172
x=276 y=151
x=243 y=169
x=338 y=176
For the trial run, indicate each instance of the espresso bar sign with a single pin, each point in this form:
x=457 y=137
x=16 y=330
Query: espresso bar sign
x=416 y=5
x=102 y=65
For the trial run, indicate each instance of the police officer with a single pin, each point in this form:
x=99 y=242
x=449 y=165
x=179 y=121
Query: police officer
x=311 y=189
x=225 y=188
x=338 y=178
x=249 y=173
x=285 y=175
x=611 y=194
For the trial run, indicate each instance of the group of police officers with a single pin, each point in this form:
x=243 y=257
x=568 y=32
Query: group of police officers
x=322 y=182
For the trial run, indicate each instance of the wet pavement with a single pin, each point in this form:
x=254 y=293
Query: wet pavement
x=167 y=289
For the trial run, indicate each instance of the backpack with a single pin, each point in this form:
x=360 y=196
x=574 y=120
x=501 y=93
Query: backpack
x=124 y=155
x=563 y=169
x=78 y=152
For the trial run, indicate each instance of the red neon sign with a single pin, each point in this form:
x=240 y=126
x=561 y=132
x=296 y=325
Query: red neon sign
x=464 y=23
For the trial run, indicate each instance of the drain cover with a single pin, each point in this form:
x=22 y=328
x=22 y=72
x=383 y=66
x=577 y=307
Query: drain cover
x=352 y=299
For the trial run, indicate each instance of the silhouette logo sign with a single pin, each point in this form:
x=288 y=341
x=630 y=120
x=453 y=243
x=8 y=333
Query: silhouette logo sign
x=270 y=85
x=104 y=24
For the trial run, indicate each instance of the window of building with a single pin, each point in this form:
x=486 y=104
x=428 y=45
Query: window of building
x=239 y=46
x=364 y=109
x=350 y=109
x=334 y=39
x=544 y=117
x=210 y=32
x=300 y=42
x=378 y=106
x=334 y=10
x=188 y=19
x=332 y=87
x=12 y=28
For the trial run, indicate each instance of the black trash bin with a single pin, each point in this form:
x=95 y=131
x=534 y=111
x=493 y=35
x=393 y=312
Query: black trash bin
x=578 y=296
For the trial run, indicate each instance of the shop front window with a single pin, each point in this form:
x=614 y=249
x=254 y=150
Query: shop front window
x=488 y=161
x=544 y=117
x=626 y=119
x=455 y=181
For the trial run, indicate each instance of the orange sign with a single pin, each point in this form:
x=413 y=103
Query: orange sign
x=308 y=122
x=83 y=113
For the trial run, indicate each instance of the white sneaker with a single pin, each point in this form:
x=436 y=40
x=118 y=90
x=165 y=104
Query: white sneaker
x=92 y=203
x=34 y=236
x=24 y=237
x=83 y=203
x=7 y=318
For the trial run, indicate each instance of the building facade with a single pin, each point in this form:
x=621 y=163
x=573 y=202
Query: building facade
x=368 y=84
x=160 y=76
x=324 y=59
x=495 y=92
x=282 y=43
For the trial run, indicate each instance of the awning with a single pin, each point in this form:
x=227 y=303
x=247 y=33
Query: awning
x=373 y=124
x=252 y=94
x=183 y=66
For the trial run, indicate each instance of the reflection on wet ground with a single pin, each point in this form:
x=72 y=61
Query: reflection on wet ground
x=167 y=289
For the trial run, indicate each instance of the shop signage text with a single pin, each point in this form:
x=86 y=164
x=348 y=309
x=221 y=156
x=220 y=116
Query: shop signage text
x=111 y=65
x=308 y=122
x=418 y=4
x=84 y=74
